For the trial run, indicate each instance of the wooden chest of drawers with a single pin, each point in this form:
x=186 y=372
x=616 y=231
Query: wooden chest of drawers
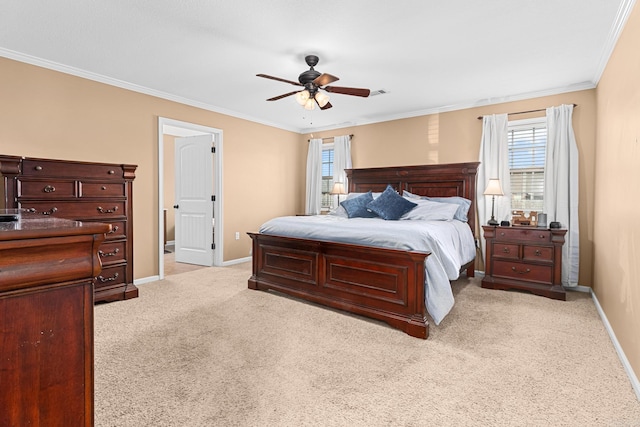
x=88 y=192
x=526 y=258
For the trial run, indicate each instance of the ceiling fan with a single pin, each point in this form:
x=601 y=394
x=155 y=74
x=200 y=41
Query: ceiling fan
x=313 y=82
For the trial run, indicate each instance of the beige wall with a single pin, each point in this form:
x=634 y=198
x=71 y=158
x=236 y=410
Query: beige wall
x=48 y=114
x=617 y=193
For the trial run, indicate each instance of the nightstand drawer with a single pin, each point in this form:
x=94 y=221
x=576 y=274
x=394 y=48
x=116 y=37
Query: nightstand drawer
x=505 y=250
x=521 y=271
x=523 y=234
x=538 y=253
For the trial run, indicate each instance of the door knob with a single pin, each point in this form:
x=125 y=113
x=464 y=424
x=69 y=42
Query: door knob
x=176 y=206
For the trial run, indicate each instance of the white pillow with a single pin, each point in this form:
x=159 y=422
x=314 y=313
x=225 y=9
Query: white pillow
x=430 y=211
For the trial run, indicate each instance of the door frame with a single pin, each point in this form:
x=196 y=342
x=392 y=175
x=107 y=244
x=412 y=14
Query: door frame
x=192 y=129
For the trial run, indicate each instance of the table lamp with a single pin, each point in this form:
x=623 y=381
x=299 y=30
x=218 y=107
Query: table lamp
x=493 y=189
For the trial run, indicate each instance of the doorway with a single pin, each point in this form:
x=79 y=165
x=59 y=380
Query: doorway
x=168 y=131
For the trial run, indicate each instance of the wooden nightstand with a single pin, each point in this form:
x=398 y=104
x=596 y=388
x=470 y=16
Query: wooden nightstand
x=526 y=258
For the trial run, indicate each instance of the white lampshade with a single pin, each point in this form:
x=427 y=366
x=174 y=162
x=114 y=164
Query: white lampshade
x=338 y=188
x=310 y=104
x=302 y=97
x=322 y=99
x=494 y=188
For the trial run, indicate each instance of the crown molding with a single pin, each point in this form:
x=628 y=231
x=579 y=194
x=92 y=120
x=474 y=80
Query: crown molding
x=55 y=66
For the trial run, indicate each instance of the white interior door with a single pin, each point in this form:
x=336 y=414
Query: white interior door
x=193 y=198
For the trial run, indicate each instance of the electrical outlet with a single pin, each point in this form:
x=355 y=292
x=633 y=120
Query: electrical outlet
x=237 y=235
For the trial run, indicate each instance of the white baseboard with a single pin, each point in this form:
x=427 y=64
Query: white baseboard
x=236 y=261
x=635 y=384
x=144 y=280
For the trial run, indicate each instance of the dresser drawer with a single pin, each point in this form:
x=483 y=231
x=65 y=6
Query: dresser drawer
x=537 y=253
x=53 y=168
x=112 y=252
x=521 y=271
x=506 y=250
x=46 y=189
x=111 y=275
x=523 y=234
x=102 y=189
x=76 y=210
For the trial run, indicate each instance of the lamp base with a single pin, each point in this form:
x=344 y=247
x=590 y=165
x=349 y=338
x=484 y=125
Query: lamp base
x=493 y=222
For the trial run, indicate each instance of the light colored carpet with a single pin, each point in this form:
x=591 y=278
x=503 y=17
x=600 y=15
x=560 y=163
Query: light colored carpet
x=200 y=349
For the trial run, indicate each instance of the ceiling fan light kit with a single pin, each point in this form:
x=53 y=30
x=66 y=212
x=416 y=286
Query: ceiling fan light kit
x=313 y=81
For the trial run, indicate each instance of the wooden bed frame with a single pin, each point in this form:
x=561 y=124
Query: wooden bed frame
x=383 y=284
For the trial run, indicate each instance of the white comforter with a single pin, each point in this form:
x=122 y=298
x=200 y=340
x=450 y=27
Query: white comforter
x=451 y=244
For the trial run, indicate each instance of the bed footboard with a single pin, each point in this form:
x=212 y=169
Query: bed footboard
x=383 y=284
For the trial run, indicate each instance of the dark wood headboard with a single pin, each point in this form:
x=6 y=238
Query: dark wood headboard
x=443 y=180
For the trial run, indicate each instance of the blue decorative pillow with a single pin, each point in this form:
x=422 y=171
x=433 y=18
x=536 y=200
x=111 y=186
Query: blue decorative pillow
x=357 y=207
x=390 y=205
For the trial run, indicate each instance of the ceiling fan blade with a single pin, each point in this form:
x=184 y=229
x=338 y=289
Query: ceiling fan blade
x=275 y=98
x=324 y=79
x=327 y=106
x=279 y=79
x=348 y=91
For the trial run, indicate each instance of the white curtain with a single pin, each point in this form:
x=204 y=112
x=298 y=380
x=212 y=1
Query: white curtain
x=314 y=177
x=341 y=161
x=561 y=186
x=494 y=163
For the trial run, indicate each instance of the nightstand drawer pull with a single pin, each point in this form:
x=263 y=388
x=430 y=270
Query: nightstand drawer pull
x=528 y=270
x=49 y=189
x=50 y=211
x=537 y=252
x=113 y=229
x=506 y=250
x=542 y=236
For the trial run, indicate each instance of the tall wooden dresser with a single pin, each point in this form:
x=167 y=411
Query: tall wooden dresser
x=84 y=191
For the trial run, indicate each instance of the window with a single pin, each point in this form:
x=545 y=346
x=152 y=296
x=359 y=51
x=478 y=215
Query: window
x=527 y=141
x=327 y=177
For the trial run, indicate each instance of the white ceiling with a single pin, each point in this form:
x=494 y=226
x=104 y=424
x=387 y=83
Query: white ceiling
x=429 y=55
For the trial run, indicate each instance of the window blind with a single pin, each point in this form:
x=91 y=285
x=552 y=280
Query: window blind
x=327 y=178
x=527 y=150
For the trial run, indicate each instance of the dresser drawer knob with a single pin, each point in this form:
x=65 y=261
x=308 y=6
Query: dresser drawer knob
x=49 y=189
x=528 y=270
x=108 y=279
x=107 y=211
x=106 y=254
x=506 y=250
x=538 y=253
x=38 y=168
x=502 y=233
x=111 y=172
x=542 y=236
x=103 y=188
x=113 y=229
x=50 y=211
x=31 y=210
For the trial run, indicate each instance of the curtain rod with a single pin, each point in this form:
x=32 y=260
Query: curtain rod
x=525 y=112
x=331 y=137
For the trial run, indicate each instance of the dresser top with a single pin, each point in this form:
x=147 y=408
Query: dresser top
x=28 y=227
